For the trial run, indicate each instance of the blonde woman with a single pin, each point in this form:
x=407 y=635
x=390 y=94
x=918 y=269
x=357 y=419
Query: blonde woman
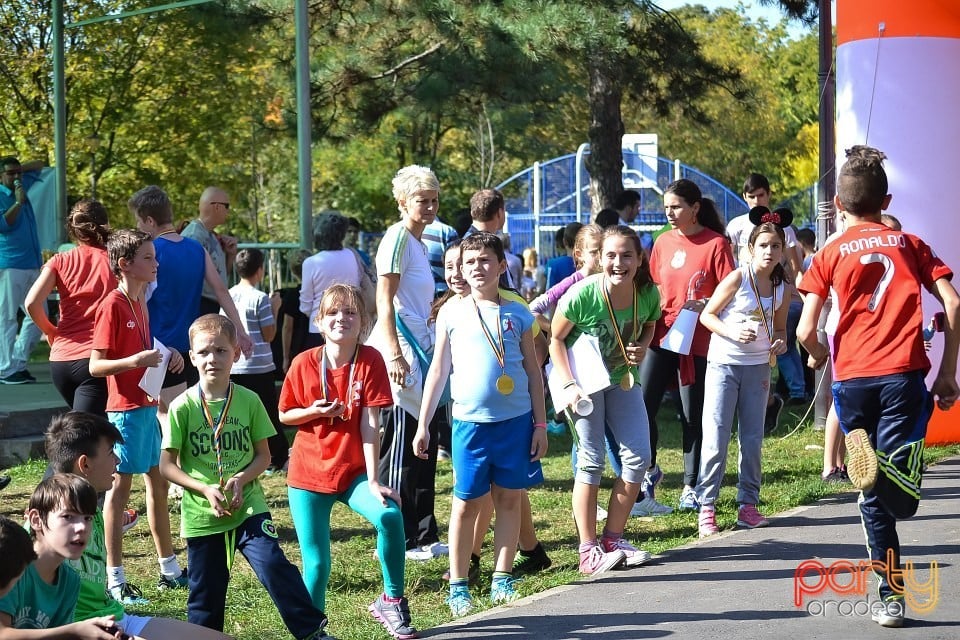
x=405 y=289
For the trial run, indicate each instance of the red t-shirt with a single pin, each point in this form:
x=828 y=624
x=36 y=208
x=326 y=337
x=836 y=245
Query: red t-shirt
x=119 y=333
x=688 y=268
x=876 y=273
x=83 y=278
x=328 y=457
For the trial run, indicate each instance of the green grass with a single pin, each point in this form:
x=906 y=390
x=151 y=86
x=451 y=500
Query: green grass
x=791 y=478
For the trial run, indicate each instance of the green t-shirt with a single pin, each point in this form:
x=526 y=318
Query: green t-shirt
x=247 y=423
x=583 y=305
x=94 y=599
x=35 y=604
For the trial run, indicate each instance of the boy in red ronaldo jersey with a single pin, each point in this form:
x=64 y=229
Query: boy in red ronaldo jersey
x=879 y=359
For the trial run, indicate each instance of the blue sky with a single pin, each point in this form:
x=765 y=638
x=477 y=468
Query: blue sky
x=771 y=14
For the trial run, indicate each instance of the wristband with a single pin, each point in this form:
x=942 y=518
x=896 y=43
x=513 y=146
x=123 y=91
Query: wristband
x=395 y=358
x=539 y=425
x=569 y=383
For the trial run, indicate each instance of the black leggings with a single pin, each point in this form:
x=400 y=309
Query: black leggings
x=265 y=386
x=657 y=370
x=80 y=390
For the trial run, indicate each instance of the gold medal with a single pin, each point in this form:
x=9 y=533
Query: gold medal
x=504 y=382
x=626 y=382
x=773 y=360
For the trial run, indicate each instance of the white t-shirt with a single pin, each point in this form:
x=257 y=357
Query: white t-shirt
x=401 y=253
x=319 y=272
x=739 y=230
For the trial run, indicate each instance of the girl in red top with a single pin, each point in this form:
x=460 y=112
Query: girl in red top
x=333 y=394
x=82 y=277
x=687 y=263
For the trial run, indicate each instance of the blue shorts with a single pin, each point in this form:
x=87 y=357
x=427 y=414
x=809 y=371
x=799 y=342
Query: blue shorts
x=486 y=453
x=140 y=450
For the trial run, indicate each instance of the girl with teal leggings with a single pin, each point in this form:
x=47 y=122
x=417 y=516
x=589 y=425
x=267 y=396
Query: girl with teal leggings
x=333 y=395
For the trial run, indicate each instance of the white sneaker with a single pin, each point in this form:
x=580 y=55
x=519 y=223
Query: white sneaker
x=601 y=513
x=428 y=552
x=649 y=507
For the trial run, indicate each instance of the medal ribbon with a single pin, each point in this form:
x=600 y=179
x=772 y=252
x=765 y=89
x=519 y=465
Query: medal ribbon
x=348 y=410
x=217 y=425
x=140 y=321
x=763 y=314
x=613 y=320
x=499 y=351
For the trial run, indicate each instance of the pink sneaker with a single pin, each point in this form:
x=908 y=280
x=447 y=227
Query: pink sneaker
x=707 y=522
x=633 y=557
x=749 y=517
x=595 y=561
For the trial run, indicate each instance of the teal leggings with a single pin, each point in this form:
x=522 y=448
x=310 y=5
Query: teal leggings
x=311 y=519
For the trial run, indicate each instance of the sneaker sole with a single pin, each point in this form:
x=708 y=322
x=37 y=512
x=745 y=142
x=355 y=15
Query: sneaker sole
x=611 y=560
x=861 y=460
x=376 y=616
x=747 y=525
x=637 y=559
x=708 y=534
x=890 y=622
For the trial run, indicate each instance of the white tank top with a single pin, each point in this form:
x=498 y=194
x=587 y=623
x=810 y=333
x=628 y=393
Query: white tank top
x=743 y=309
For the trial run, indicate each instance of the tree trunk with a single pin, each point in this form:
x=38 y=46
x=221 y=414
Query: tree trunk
x=606 y=131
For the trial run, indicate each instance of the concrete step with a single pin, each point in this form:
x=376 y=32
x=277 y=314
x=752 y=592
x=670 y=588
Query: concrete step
x=27 y=422
x=14 y=451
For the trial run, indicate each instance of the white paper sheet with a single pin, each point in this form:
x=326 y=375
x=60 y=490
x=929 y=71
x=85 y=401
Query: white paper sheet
x=587 y=367
x=152 y=380
x=679 y=338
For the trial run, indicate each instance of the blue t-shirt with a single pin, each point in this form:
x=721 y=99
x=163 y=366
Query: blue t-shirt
x=175 y=303
x=473 y=384
x=559 y=268
x=19 y=243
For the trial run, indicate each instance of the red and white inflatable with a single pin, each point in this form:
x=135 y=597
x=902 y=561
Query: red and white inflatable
x=898 y=89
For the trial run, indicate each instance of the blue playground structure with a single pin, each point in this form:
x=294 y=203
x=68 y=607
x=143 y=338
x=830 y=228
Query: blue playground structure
x=550 y=194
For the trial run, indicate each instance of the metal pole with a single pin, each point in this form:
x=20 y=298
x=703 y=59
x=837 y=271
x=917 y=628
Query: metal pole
x=59 y=117
x=827 y=185
x=303 y=125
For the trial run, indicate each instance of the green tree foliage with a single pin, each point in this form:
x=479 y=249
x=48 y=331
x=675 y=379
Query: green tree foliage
x=478 y=91
x=169 y=97
x=748 y=130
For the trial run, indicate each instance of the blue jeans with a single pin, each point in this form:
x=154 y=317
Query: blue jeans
x=894 y=411
x=209 y=560
x=15 y=347
x=789 y=363
x=733 y=388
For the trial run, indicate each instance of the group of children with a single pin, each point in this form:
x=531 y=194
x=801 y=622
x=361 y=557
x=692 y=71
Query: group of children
x=217 y=442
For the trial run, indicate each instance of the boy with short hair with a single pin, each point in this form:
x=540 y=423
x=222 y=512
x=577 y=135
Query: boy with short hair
x=216 y=448
x=879 y=360
x=60 y=515
x=499 y=427
x=82 y=444
x=16 y=552
x=122 y=350
x=258 y=311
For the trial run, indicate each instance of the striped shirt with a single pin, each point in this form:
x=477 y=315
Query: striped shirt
x=253 y=307
x=437 y=237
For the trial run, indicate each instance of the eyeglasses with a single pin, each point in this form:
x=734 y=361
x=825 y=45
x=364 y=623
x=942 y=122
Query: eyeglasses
x=226 y=205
